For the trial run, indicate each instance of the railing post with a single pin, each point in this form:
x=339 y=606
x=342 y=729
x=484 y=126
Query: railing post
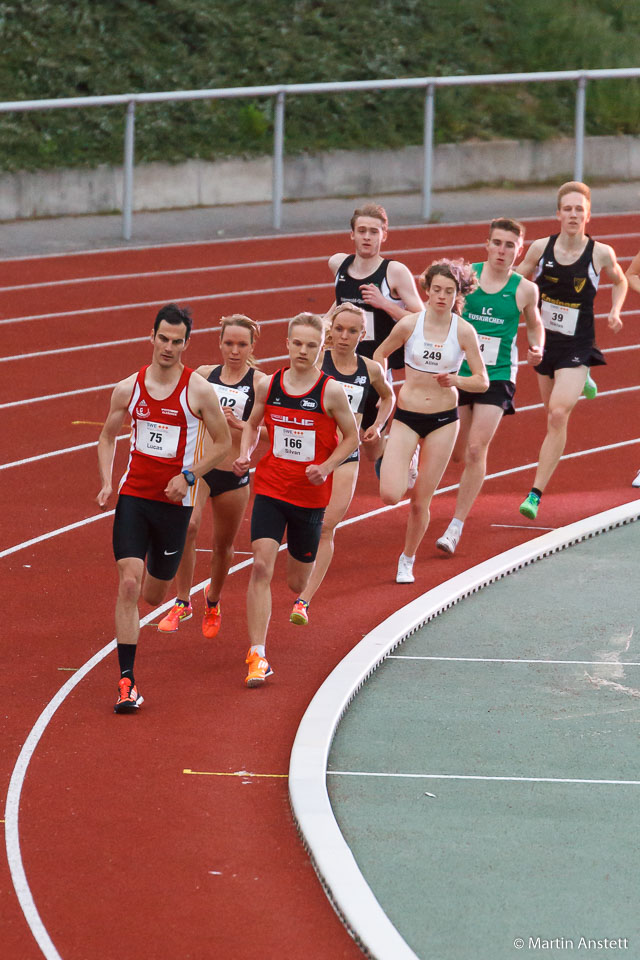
x=127 y=186
x=427 y=172
x=278 y=151
x=581 y=96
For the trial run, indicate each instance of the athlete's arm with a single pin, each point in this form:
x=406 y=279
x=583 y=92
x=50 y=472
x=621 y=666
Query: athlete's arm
x=478 y=382
x=633 y=273
x=397 y=338
x=337 y=406
x=402 y=286
x=387 y=400
x=604 y=258
x=335 y=261
x=535 y=251
x=527 y=302
x=203 y=400
x=107 y=440
x=251 y=429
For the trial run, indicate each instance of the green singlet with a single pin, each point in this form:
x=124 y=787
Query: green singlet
x=495 y=318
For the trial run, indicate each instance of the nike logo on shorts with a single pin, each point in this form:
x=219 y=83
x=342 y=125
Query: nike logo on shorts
x=170 y=553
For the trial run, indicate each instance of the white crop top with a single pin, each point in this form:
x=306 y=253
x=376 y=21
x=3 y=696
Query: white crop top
x=433 y=357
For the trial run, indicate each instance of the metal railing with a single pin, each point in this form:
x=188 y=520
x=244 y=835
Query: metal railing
x=280 y=92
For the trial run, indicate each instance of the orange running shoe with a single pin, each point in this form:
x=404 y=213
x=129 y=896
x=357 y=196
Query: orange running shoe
x=300 y=614
x=212 y=618
x=178 y=614
x=128 y=697
x=259 y=670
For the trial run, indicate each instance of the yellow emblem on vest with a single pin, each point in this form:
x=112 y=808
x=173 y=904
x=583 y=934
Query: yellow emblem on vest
x=578 y=283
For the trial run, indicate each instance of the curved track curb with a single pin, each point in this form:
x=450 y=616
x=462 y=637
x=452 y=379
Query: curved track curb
x=347 y=889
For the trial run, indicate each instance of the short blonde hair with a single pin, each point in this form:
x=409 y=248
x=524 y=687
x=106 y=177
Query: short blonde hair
x=241 y=320
x=371 y=210
x=574 y=186
x=306 y=320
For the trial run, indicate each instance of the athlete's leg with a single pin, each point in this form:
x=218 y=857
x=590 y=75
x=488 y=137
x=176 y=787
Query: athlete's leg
x=265 y=552
x=567 y=387
x=344 y=484
x=184 y=576
x=394 y=471
x=228 y=510
x=484 y=423
x=130 y=572
x=434 y=457
x=465 y=413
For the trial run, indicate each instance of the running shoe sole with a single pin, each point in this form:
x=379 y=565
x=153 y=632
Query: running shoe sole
x=175 y=629
x=128 y=706
x=299 y=619
x=528 y=510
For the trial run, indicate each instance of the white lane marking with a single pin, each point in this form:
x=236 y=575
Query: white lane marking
x=590 y=663
x=521 y=526
x=181 y=298
x=459 y=776
x=343 y=523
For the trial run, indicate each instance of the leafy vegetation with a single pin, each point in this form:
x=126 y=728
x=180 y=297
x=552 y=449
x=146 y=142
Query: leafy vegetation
x=95 y=47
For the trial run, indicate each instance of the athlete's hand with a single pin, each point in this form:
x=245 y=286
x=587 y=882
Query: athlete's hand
x=615 y=323
x=232 y=420
x=177 y=487
x=445 y=379
x=315 y=474
x=372 y=296
x=104 y=495
x=534 y=356
x=371 y=434
x=240 y=466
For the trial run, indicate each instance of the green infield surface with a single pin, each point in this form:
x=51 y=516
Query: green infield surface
x=486 y=777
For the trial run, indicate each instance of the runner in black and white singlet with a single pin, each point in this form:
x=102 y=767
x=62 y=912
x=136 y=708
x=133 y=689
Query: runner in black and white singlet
x=493 y=310
x=384 y=289
x=435 y=341
x=234 y=381
x=357 y=375
x=567 y=268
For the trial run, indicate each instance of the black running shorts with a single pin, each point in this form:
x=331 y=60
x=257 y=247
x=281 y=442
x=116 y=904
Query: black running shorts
x=499 y=394
x=270 y=517
x=153 y=530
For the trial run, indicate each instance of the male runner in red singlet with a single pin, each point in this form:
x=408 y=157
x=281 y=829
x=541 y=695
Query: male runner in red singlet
x=567 y=267
x=170 y=411
x=301 y=408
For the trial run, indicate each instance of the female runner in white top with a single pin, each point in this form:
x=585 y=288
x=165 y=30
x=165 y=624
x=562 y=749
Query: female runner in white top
x=427 y=414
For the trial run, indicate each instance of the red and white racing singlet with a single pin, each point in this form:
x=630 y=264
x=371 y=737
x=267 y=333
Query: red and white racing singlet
x=166 y=438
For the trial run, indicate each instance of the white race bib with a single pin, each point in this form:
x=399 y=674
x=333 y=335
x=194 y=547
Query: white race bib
x=369 y=326
x=430 y=358
x=157 y=439
x=489 y=347
x=235 y=400
x=558 y=317
x=297 y=445
x=354 y=392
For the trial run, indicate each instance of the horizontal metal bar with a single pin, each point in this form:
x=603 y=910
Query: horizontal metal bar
x=226 y=93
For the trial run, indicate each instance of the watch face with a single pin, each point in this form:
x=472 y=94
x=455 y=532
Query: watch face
x=189 y=477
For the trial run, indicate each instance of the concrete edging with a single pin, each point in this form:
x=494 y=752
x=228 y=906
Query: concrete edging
x=347 y=889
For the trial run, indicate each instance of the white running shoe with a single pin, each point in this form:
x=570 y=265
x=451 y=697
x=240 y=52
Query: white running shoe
x=413 y=469
x=405 y=569
x=636 y=482
x=449 y=539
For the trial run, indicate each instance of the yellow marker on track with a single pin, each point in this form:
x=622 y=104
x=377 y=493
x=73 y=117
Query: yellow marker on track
x=235 y=773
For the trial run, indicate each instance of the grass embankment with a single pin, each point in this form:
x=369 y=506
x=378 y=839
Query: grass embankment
x=93 y=47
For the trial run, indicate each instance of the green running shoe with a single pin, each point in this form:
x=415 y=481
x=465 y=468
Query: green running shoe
x=590 y=389
x=530 y=506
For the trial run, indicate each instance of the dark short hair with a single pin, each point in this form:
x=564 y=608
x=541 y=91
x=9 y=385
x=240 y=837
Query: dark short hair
x=173 y=314
x=506 y=223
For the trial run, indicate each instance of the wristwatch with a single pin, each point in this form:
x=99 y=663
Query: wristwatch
x=189 y=477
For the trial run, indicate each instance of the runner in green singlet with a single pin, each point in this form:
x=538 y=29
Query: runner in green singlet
x=494 y=310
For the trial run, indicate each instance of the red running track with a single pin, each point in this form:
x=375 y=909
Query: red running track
x=123 y=850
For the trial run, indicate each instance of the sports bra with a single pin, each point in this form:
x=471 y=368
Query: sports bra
x=431 y=357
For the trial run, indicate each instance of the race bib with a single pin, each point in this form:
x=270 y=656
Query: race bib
x=431 y=357
x=489 y=347
x=297 y=445
x=235 y=400
x=369 y=326
x=157 y=439
x=558 y=317
x=354 y=392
